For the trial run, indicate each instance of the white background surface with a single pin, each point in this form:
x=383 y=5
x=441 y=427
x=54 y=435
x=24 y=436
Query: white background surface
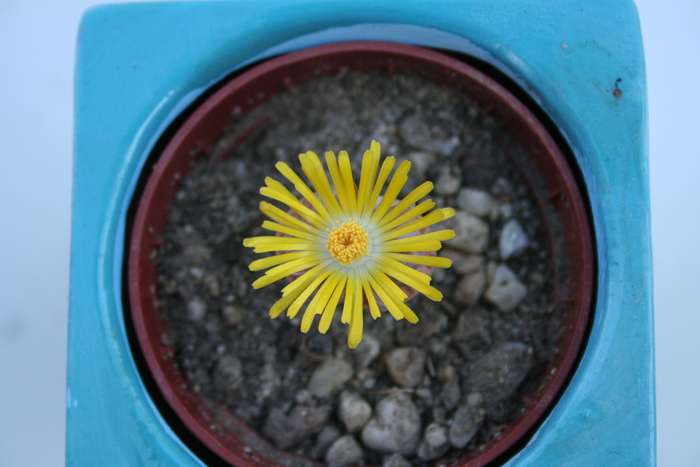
x=37 y=55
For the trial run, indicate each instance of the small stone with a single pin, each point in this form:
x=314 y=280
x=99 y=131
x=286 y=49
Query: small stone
x=465 y=423
x=449 y=145
x=367 y=351
x=396 y=460
x=269 y=380
x=304 y=397
x=196 y=309
x=232 y=314
x=329 y=376
x=406 y=365
x=476 y=202
x=451 y=394
x=447 y=184
x=345 y=452
x=471 y=233
x=302 y=421
x=395 y=426
x=445 y=372
x=212 y=284
x=354 y=411
x=231 y=369
x=324 y=439
x=498 y=373
x=415 y=131
x=196 y=272
x=463 y=263
x=506 y=291
x=505 y=210
x=435 y=442
x=470 y=288
x=513 y=240
x=424 y=393
x=473 y=324
x=475 y=398
x=196 y=255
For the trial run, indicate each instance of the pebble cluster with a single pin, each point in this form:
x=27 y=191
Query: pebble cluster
x=408 y=394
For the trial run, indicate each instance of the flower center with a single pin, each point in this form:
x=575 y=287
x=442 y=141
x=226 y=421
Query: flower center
x=348 y=243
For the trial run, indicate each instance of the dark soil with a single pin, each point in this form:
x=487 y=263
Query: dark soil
x=235 y=356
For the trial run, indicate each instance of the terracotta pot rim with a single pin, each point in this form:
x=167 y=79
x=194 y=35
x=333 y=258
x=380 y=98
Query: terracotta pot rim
x=161 y=182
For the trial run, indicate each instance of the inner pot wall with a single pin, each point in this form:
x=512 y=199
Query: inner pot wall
x=252 y=88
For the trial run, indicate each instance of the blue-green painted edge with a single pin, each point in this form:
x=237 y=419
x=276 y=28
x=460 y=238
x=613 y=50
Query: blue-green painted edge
x=139 y=64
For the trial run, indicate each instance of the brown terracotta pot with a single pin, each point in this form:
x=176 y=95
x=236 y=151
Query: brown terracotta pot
x=239 y=445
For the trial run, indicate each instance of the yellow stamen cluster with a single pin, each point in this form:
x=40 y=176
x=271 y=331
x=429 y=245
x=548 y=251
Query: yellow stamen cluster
x=348 y=242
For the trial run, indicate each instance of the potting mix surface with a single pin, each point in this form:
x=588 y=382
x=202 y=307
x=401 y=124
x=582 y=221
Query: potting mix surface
x=410 y=394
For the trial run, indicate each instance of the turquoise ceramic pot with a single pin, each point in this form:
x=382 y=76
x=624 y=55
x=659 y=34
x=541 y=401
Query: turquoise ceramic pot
x=140 y=65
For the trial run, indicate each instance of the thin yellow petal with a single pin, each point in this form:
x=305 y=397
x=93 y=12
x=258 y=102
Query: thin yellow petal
x=388 y=299
x=389 y=284
x=284 y=270
x=276 y=214
x=384 y=172
x=332 y=164
x=349 y=296
x=439 y=235
x=425 y=221
x=287 y=198
x=319 y=302
x=398 y=180
x=329 y=311
x=412 y=213
x=274 y=260
x=312 y=167
x=415 y=195
x=302 y=188
x=396 y=266
x=300 y=246
x=284 y=302
x=300 y=281
x=435 y=261
x=398 y=306
x=371 y=300
x=306 y=293
x=275 y=227
x=348 y=183
x=356 y=319
x=370 y=165
x=412 y=279
x=271 y=239
x=412 y=247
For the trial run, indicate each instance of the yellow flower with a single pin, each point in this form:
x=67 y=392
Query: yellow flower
x=345 y=241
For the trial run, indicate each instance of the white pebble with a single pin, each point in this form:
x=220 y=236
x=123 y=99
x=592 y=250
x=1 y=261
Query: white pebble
x=476 y=202
x=435 y=442
x=344 y=452
x=395 y=427
x=354 y=411
x=506 y=291
x=471 y=233
x=196 y=309
x=513 y=240
x=329 y=376
x=446 y=183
